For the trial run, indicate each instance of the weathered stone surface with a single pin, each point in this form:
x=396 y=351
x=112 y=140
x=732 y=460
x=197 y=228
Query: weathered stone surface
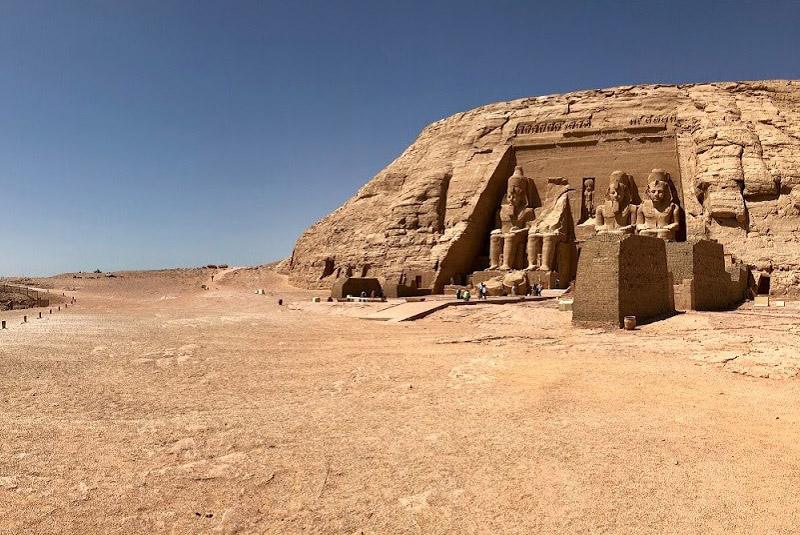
x=428 y=214
x=622 y=275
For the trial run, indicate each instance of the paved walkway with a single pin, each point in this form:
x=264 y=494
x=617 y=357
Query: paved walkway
x=410 y=311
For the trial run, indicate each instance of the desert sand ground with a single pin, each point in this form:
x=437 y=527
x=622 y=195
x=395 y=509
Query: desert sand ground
x=153 y=406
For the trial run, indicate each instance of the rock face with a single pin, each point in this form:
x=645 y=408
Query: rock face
x=732 y=150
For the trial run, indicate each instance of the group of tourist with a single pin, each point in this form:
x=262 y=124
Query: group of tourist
x=483 y=291
x=464 y=294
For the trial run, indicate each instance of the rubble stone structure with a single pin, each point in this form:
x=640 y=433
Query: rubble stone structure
x=731 y=150
x=702 y=279
x=622 y=275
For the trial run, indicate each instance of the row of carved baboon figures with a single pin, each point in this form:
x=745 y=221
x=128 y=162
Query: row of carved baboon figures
x=523 y=237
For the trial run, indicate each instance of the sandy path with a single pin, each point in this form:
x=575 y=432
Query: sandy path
x=220 y=411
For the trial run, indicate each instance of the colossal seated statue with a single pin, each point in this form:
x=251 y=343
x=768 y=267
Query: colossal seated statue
x=513 y=218
x=617 y=215
x=658 y=216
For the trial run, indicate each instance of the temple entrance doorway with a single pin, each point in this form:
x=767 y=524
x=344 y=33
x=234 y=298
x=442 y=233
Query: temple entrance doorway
x=763 y=285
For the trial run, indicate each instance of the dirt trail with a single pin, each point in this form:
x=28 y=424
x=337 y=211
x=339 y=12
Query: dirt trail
x=154 y=406
x=217 y=275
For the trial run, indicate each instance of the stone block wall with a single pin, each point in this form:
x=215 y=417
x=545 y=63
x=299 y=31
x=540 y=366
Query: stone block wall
x=597 y=282
x=699 y=267
x=622 y=276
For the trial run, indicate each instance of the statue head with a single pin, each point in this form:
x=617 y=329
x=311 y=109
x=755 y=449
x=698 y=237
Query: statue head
x=517 y=190
x=658 y=187
x=619 y=190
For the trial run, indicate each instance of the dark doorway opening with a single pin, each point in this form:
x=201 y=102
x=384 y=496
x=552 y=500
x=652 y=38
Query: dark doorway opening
x=763 y=285
x=328 y=269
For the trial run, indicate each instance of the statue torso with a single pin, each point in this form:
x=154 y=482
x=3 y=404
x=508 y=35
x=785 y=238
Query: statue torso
x=655 y=218
x=613 y=219
x=509 y=219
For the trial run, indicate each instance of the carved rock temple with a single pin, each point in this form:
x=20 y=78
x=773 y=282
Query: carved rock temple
x=510 y=194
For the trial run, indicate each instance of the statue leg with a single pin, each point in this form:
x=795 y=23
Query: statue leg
x=534 y=250
x=508 y=251
x=666 y=234
x=495 y=248
x=549 y=242
x=648 y=232
x=520 y=239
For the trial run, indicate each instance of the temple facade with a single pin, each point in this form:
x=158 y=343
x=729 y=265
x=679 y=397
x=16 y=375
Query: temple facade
x=515 y=189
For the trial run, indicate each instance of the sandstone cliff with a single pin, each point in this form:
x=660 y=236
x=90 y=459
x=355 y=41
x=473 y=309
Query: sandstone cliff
x=736 y=149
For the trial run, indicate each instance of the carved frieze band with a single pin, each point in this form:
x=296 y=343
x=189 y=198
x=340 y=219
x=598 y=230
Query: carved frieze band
x=559 y=125
x=567 y=126
x=644 y=120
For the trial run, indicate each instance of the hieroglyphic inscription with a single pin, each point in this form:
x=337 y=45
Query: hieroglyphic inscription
x=563 y=126
x=558 y=125
x=644 y=120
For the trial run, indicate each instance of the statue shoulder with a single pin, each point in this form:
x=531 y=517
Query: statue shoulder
x=528 y=214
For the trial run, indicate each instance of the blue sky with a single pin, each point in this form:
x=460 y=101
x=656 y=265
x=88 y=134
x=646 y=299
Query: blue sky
x=148 y=134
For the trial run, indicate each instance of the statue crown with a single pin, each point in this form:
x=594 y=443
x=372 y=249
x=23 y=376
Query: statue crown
x=518 y=178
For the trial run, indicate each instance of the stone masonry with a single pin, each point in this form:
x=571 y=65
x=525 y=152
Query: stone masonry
x=622 y=276
x=701 y=279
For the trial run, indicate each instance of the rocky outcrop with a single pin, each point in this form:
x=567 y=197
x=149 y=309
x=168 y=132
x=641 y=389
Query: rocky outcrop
x=426 y=216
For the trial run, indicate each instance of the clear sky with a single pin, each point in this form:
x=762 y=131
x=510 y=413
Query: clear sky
x=147 y=134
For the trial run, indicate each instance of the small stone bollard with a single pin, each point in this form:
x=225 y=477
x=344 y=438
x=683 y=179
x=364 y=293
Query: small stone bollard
x=4 y=324
x=40 y=315
x=24 y=319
